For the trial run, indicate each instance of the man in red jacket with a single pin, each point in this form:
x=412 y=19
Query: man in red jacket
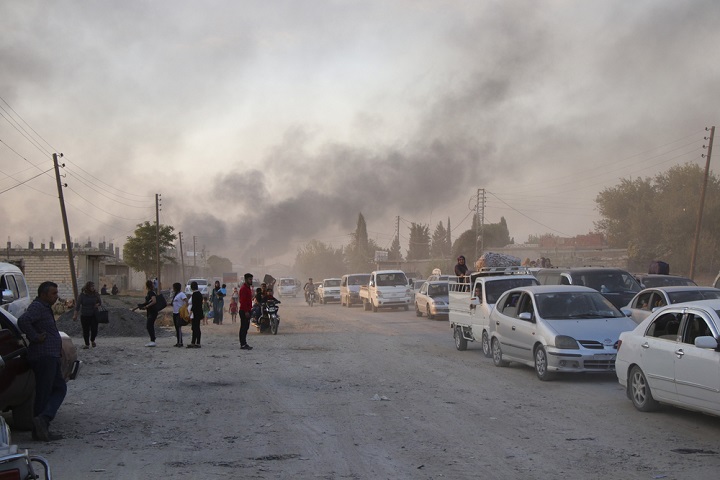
x=245 y=297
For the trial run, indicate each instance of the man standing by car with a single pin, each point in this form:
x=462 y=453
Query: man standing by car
x=44 y=352
x=245 y=295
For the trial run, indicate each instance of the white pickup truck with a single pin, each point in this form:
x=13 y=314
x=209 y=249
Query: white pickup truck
x=386 y=289
x=473 y=297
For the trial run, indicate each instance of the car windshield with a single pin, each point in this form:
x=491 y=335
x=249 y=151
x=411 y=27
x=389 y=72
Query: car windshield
x=359 y=280
x=575 y=306
x=667 y=281
x=332 y=283
x=495 y=288
x=608 y=282
x=201 y=282
x=287 y=282
x=691 y=296
x=437 y=289
x=391 y=279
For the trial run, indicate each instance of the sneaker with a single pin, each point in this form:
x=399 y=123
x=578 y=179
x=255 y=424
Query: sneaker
x=197 y=345
x=151 y=344
x=245 y=347
x=94 y=345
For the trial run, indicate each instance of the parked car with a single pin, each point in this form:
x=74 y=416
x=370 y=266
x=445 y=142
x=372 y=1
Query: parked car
x=17 y=381
x=14 y=289
x=650 y=280
x=432 y=300
x=556 y=328
x=350 y=288
x=672 y=357
x=615 y=284
x=202 y=286
x=649 y=299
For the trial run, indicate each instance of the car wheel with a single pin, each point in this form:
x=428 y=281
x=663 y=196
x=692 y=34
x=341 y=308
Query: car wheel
x=640 y=393
x=541 y=364
x=374 y=307
x=486 y=345
x=417 y=310
x=497 y=354
x=460 y=341
x=23 y=415
x=427 y=311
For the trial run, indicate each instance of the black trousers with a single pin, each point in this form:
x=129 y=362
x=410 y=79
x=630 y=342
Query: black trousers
x=195 y=322
x=151 y=317
x=244 y=326
x=89 y=328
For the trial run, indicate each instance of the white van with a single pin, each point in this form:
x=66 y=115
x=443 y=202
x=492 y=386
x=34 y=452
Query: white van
x=288 y=287
x=15 y=292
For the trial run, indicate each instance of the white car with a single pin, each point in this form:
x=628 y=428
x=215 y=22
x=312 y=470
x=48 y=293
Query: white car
x=556 y=328
x=645 y=302
x=432 y=299
x=329 y=290
x=202 y=286
x=672 y=357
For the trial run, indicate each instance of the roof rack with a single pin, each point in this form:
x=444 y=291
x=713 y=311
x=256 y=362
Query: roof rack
x=492 y=271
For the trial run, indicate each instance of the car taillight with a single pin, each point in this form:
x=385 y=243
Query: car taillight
x=10 y=475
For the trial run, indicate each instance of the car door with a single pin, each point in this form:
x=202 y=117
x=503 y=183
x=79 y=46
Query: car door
x=506 y=323
x=422 y=298
x=640 y=306
x=657 y=354
x=697 y=370
x=524 y=329
x=478 y=315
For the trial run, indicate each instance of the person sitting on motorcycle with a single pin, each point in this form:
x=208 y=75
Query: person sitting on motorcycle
x=257 y=305
x=309 y=287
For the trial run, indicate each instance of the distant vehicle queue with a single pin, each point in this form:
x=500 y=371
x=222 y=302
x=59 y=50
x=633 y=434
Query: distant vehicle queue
x=659 y=333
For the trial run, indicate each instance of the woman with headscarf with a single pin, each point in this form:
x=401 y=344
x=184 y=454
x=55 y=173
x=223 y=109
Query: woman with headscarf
x=461 y=269
x=87 y=304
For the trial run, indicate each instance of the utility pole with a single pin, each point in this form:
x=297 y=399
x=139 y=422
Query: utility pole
x=702 y=201
x=194 y=254
x=182 y=258
x=157 y=240
x=73 y=275
x=482 y=221
x=479 y=221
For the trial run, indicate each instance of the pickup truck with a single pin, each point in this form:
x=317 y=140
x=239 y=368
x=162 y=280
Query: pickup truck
x=386 y=289
x=473 y=297
x=329 y=290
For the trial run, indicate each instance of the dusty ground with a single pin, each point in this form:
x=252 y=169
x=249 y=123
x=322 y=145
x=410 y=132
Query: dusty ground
x=342 y=393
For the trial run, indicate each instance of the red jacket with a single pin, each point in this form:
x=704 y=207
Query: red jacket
x=245 y=296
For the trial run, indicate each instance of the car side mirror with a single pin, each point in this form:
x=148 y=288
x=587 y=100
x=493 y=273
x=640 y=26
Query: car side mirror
x=7 y=296
x=626 y=311
x=527 y=316
x=707 y=342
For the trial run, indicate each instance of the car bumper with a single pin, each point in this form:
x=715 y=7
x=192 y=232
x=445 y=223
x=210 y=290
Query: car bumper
x=331 y=298
x=440 y=311
x=393 y=302
x=574 y=361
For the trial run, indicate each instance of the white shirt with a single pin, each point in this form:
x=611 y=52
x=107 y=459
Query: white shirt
x=178 y=301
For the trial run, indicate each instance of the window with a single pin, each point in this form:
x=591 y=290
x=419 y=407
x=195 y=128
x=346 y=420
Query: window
x=666 y=326
x=525 y=305
x=509 y=307
x=22 y=286
x=643 y=301
x=695 y=326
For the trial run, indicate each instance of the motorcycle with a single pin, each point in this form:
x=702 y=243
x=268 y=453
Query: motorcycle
x=14 y=464
x=269 y=320
x=311 y=298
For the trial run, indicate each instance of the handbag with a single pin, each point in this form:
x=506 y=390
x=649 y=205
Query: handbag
x=184 y=315
x=102 y=315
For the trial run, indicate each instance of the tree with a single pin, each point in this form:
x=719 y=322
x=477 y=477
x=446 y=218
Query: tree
x=419 y=248
x=319 y=261
x=219 y=265
x=494 y=235
x=439 y=247
x=395 y=254
x=140 y=250
x=655 y=218
x=361 y=251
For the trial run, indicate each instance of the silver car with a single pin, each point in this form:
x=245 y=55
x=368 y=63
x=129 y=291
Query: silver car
x=556 y=328
x=432 y=299
x=645 y=302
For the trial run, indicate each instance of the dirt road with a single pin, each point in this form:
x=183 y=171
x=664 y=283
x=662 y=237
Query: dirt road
x=343 y=393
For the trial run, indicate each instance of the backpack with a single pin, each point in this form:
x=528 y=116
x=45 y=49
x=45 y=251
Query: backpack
x=160 y=302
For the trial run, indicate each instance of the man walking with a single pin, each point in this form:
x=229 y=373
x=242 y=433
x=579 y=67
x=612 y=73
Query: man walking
x=245 y=296
x=43 y=354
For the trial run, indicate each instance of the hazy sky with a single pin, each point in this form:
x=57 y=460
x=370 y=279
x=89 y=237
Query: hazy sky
x=265 y=124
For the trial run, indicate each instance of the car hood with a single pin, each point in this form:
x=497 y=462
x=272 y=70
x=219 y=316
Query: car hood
x=592 y=329
x=620 y=299
x=441 y=298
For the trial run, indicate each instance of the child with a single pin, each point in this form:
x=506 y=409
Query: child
x=233 y=309
x=206 y=311
x=257 y=305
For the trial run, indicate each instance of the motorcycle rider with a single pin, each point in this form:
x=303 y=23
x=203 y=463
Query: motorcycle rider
x=309 y=288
